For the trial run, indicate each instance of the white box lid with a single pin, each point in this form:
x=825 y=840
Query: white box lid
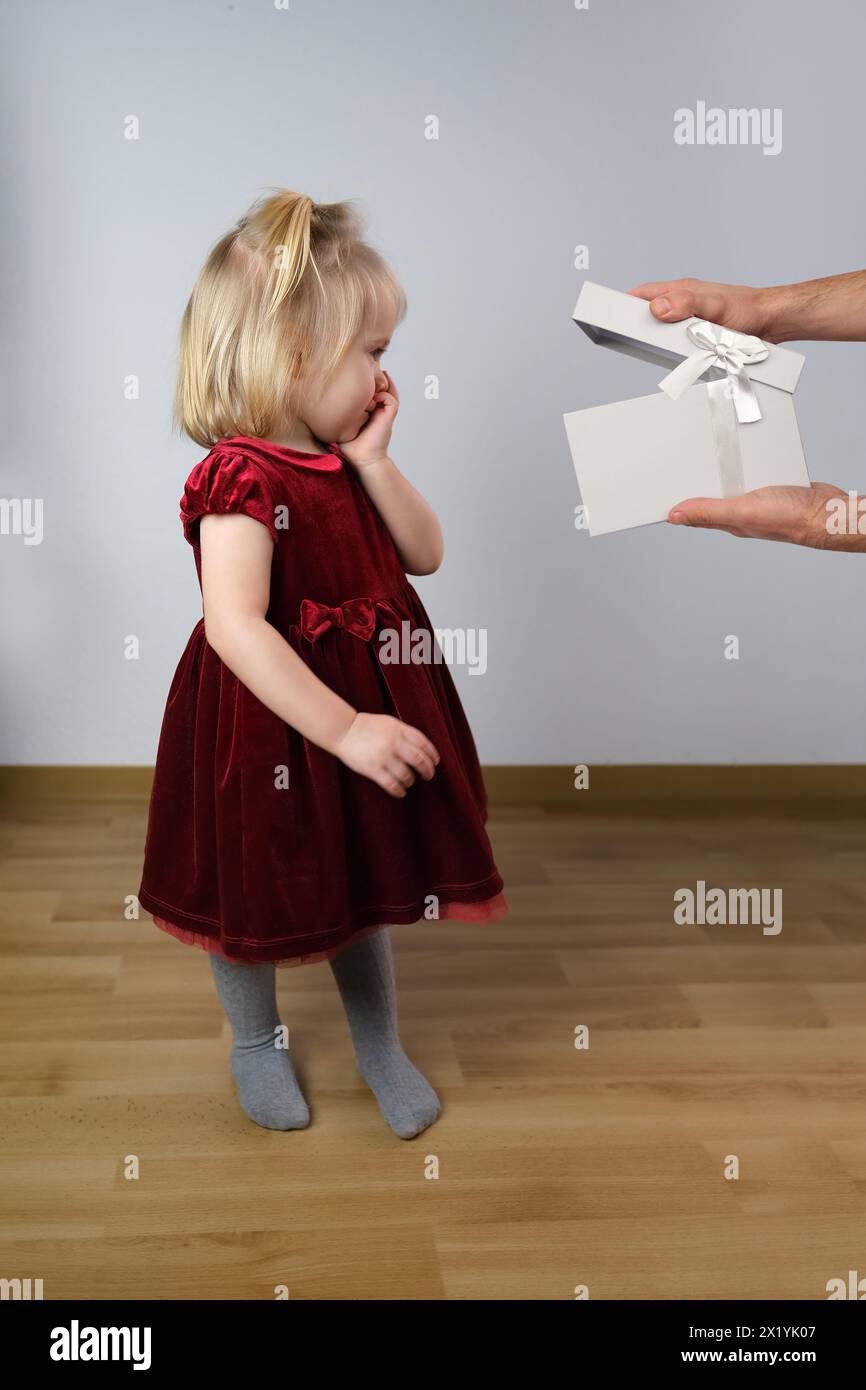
x=626 y=323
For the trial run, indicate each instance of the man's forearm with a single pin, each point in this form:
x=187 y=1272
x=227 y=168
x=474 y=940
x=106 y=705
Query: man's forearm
x=833 y=307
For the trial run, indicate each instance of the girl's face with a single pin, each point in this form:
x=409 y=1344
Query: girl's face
x=341 y=410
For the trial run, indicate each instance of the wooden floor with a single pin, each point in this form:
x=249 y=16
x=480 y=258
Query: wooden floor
x=558 y=1168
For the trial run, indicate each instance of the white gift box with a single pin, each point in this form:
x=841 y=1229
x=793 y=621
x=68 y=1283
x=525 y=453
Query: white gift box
x=722 y=424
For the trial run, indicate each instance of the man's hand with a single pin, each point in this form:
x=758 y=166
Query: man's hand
x=798 y=515
x=832 y=307
x=740 y=307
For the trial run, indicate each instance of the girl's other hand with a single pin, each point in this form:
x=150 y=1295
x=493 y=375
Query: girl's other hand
x=370 y=444
x=386 y=750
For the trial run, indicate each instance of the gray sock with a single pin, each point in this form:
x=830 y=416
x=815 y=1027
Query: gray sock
x=264 y=1077
x=364 y=973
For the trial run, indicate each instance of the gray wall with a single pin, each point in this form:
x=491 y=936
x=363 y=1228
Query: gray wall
x=556 y=129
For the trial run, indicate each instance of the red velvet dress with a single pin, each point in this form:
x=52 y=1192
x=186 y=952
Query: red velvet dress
x=260 y=845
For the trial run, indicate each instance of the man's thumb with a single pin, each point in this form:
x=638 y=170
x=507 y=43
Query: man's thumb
x=698 y=511
x=675 y=304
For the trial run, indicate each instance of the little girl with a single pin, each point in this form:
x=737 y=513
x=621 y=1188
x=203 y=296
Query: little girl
x=277 y=833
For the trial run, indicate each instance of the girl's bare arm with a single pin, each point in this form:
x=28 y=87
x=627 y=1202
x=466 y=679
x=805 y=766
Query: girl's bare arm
x=413 y=524
x=236 y=556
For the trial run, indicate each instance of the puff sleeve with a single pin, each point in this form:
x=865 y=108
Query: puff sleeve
x=226 y=482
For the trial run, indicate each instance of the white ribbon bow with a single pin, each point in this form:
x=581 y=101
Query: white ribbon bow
x=720 y=347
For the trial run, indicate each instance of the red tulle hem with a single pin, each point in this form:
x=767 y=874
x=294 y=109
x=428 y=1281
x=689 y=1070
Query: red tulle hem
x=489 y=910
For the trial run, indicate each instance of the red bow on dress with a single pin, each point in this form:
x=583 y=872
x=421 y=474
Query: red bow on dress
x=357 y=615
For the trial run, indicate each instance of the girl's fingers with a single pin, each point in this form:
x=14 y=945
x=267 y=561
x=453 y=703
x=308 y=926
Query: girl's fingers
x=421 y=741
x=418 y=759
x=392 y=787
x=398 y=769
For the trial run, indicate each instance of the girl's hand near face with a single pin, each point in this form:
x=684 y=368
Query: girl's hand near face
x=370 y=444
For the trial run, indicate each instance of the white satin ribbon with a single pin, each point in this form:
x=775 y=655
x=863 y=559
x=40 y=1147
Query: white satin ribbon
x=720 y=347
x=726 y=436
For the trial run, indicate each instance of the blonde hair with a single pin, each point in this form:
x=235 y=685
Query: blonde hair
x=276 y=305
